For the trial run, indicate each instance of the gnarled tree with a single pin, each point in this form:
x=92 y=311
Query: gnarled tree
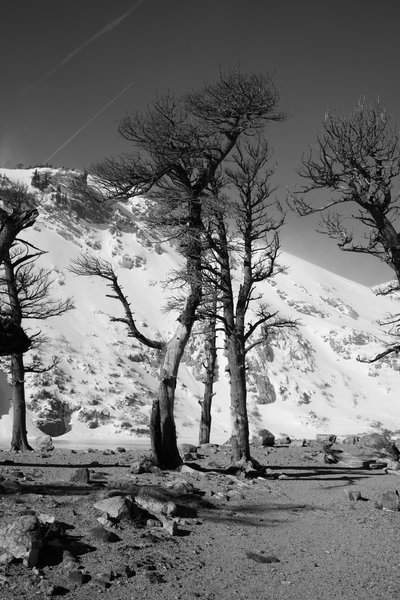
x=15 y=215
x=357 y=160
x=25 y=291
x=179 y=144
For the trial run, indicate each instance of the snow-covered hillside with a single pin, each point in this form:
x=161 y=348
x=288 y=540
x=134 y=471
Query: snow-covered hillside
x=302 y=382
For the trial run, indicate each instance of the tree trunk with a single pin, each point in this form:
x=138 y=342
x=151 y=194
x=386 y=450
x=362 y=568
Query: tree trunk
x=239 y=420
x=211 y=360
x=162 y=422
x=19 y=441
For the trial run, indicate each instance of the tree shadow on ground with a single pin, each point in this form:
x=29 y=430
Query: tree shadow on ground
x=317 y=473
x=67 y=465
x=258 y=515
x=50 y=489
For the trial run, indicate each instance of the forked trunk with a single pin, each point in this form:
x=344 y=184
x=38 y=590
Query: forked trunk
x=162 y=422
x=239 y=420
x=19 y=440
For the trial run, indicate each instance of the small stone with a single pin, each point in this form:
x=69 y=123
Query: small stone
x=283 y=476
x=101 y=534
x=284 y=441
x=116 y=507
x=170 y=526
x=353 y=495
x=76 y=577
x=144 y=464
x=153 y=523
x=81 y=475
x=187 y=448
x=121 y=450
x=101 y=583
x=326 y=438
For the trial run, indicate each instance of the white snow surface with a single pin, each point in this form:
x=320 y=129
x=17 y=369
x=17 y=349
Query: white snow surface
x=303 y=382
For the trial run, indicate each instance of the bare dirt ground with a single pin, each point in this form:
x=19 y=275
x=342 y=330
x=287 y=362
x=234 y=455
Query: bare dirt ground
x=291 y=534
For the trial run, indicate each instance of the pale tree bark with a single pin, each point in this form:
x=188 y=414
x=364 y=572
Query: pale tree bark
x=209 y=365
x=19 y=440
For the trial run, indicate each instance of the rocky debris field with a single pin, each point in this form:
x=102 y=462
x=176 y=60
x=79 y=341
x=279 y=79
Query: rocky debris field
x=319 y=520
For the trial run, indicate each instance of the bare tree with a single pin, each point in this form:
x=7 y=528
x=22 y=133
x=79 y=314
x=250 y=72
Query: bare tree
x=17 y=217
x=25 y=290
x=179 y=144
x=243 y=237
x=357 y=159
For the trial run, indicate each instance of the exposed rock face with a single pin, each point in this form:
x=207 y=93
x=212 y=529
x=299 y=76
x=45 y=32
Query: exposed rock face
x=22 y=538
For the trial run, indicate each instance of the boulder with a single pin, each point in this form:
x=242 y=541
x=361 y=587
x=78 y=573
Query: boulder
x=284 y=441
x=388 y=500
x=22 y=538
x=143 y=464
x=42 y=443
x=381 y=444
x=116 y=507
x=264 y=437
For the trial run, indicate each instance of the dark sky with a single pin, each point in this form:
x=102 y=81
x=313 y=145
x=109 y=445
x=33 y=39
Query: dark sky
x=63 y=62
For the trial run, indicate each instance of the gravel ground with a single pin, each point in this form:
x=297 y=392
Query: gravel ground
x=292 y=534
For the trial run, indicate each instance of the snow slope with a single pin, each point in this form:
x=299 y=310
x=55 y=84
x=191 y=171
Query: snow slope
x=300 y=383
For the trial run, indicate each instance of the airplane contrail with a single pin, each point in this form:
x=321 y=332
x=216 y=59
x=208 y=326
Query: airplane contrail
x=78 y=131
x=76 y=51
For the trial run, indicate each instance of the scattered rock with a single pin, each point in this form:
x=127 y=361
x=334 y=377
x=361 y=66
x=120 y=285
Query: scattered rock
x=101 y=534
x=144 y=464
x=22 y=538
x=181 y=486
x=76 y=577
x=187 y=449
x=121 y=449
x=325 y=438
x=81 y=475
x=117 y=507
x=353 y=495
x=284 y=441
x=299 y=443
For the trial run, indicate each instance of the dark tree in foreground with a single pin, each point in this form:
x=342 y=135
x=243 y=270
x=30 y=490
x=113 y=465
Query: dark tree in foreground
x=243 y=239
x=16 y=218
x=25 y=291
x=179 y=144
x=357 y=159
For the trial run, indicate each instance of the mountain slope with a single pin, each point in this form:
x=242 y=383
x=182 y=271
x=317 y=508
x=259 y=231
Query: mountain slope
x=300 y=382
